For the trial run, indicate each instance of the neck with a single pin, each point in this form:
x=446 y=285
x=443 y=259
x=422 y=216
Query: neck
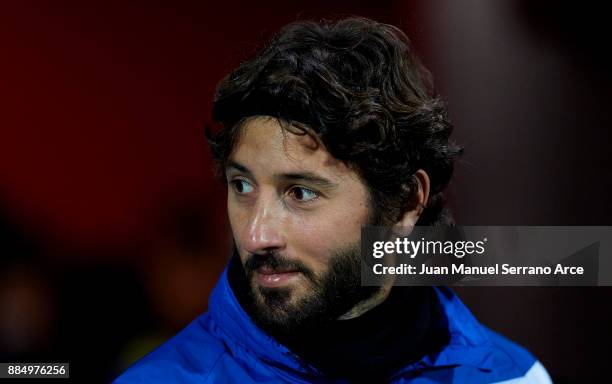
x=375 y=338
x=368 y=304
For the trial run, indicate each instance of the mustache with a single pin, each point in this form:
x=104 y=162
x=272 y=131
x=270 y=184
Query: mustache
x=275 y=261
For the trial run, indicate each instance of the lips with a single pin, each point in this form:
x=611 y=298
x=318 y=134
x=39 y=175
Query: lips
x=271 y=277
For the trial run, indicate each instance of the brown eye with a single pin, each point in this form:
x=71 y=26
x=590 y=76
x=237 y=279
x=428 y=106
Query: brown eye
x=303 y=194
x=242 y=186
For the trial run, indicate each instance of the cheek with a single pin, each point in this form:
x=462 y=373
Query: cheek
x=318 y=237
x=237 y=220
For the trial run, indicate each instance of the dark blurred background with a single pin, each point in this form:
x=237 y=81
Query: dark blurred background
x=113 y=230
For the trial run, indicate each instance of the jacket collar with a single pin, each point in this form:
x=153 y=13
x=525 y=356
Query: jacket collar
x=238 y=328
x=469 y=343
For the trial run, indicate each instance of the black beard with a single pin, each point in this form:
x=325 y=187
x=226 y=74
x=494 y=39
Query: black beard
x=332 y=294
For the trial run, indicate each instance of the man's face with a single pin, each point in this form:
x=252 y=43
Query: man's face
x=296 y=215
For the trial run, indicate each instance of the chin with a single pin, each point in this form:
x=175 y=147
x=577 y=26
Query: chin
x=278 y=298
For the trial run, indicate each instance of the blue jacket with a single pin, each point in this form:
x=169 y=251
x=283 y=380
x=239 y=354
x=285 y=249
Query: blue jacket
x=223 y=345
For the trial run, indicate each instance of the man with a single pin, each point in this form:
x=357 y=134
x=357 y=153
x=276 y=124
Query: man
x=333 y=126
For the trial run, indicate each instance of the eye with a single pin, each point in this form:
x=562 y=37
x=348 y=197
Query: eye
x=303 y=194
x=242 y=186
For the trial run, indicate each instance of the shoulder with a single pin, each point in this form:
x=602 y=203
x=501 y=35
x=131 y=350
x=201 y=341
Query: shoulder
x=504 y=362
x=189 y=356
x=514 y=364
x=476 y=354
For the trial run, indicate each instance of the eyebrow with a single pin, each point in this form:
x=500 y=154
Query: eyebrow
x=239 y=167
x=307 y=177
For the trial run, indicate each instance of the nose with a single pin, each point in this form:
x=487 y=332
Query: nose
x=263 y=232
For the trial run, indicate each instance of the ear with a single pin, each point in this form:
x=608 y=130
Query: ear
x=410 y=218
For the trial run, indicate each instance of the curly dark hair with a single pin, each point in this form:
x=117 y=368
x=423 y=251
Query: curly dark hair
x=358 y=86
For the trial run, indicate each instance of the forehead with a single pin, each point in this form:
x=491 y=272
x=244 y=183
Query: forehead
x=264 y=146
